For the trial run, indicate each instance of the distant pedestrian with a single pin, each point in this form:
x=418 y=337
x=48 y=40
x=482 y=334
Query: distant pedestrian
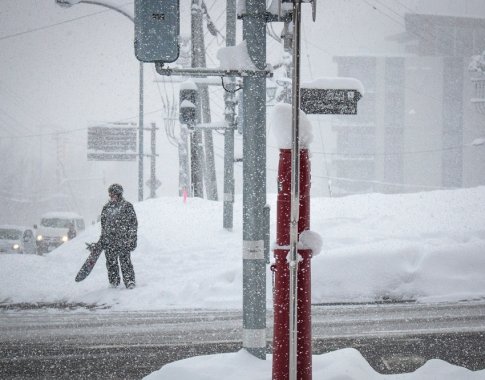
x=71 y=232
x=119 y=227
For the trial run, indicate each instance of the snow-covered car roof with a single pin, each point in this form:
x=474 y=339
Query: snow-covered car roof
x=15 y=227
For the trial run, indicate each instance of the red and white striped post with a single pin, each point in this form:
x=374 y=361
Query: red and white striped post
x=281 y=346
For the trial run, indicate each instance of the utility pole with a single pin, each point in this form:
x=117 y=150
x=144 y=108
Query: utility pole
x=254 y=184
x=154 y=183
x=184 y=160
x=230 y=112
x=198 y=60
x=196 y=151
x=140 y=136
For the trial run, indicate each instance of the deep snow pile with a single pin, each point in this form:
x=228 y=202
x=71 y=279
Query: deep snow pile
x=426 y=246
x=345 y=364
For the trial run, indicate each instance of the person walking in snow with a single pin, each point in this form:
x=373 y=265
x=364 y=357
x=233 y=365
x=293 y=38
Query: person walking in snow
x=118 y=239
x=71 y=232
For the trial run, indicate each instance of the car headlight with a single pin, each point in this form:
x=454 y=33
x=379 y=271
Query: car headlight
x=64 y=238
x=40 y=238
x=16 y=246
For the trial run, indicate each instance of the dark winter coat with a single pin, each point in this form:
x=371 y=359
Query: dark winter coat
x=71 y=233
x=119 y=226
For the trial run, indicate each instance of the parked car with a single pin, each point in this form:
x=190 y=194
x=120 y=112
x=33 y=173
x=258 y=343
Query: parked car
x=17 y=239
x=56 y=228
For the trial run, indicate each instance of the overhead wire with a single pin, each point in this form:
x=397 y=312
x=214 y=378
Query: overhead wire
x=33 y=30
x=325 y=162
x=429 y=36
x=375 y=182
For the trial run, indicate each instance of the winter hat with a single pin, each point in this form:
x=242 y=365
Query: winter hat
x=115 y=189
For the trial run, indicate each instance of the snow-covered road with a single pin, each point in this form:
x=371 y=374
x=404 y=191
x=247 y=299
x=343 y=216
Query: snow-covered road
x=392 y=337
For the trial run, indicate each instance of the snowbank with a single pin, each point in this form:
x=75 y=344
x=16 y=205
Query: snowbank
x=346 y=364
x=426 y=246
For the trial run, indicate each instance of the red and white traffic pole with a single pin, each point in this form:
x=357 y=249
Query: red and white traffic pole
x=281 y=338
x=292 y=347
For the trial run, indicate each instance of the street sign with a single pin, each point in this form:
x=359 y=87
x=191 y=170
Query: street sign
x=329 y=101
x=112 y=142
x=157 y=29
x=111 y=157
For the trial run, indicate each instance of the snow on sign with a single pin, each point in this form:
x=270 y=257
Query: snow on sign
x=335 y=96
x=157 y=29
x=112 y=142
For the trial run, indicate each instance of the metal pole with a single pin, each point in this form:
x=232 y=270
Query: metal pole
x=295 y=191
x=230 y=101
x=196 y=149
x=184 y=158
x=254 y=184
x=198 y=60
x=153 y=162
x=140 y=116
x=140 y=138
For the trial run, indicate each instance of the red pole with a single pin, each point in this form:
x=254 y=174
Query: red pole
x=282 y=274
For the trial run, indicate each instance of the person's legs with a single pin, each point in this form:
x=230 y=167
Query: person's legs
x=127 y=269
x=112 y=267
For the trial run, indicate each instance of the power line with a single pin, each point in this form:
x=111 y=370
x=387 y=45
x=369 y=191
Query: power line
x=405 y=6
x=72 y=130
x=376 y=182
x=6 y=37
x=325 y=162
x=42 y=134
x=370 y=155
x=431 y=37
x=47 y=26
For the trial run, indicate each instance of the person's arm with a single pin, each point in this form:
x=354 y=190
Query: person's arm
x=132 y=227
x=102 y=239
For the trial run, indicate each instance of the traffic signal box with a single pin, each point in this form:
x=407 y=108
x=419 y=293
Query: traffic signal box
x=157 y=30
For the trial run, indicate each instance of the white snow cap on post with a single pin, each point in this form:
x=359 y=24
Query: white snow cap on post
x=336 y=83
x=188 y=85
x=235 y=58
x=241 y=7
x=311 y=240
x=479 y=141
x=187 y=104
x=281 y=123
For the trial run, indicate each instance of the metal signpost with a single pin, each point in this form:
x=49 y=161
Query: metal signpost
x=295 y=192
x=321 y=101
x=70 y=3
x=329 y=101
x=157 y=29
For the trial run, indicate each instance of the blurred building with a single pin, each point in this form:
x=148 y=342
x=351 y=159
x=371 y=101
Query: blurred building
x=416 y=122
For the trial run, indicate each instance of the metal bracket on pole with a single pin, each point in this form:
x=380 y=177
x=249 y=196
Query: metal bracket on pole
x=206 y=72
